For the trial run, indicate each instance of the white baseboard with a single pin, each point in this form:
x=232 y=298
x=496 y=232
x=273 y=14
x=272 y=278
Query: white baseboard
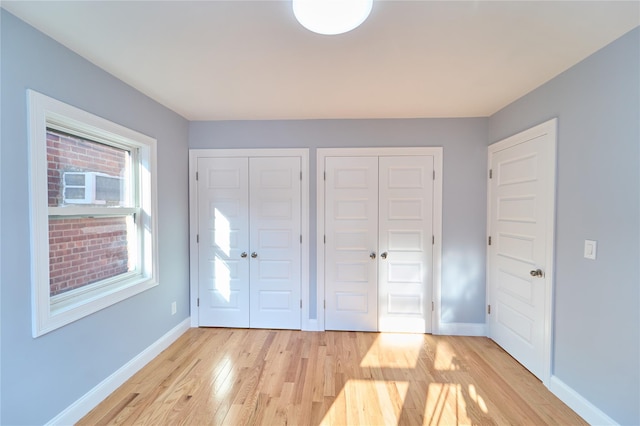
x=461 y=329
x=592 y=414
x=91 y=399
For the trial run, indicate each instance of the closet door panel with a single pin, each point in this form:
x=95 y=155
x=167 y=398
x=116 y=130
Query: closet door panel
x=223 y=206
x=351 y=223
x=275 y=229
x=405 y=233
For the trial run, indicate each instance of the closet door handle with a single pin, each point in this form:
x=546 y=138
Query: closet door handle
x=244 y=254
x=383 y=255
x=372 y=255
x=537 y=273
x=254 y=255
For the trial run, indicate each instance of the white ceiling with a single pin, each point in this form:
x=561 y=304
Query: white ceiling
x=227 y=60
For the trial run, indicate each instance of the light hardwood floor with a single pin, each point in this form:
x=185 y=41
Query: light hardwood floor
x=267 y=377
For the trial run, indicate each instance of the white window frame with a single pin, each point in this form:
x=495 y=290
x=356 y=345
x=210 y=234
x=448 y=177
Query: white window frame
x=52 y=312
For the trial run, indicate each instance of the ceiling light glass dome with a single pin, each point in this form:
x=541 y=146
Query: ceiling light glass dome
x=331 y=17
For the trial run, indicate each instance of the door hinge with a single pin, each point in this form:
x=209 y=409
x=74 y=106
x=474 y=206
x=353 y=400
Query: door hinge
x=433 y=308
x=196 y=175
x=198 y=302
x=324 y=304
x=300 y=303
x=300 y=175
x=300 y=238
x=489 y=309
x=434 y=175
x=433 y=239
x=325 y=175
x=489 y=240
x=197 y=238
x=490 y=173
x=325 y=239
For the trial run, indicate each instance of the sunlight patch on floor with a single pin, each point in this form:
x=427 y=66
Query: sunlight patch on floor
x=386 y=343
x=477 y=399
x=446 y=358
x=367 y=402
x=445 y=405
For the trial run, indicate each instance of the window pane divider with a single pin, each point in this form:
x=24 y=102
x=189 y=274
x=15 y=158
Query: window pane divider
x=92 y=211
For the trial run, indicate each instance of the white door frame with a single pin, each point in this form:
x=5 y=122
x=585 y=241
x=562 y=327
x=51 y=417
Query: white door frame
x=437 y=153
x=194 y=155
x=546 y=128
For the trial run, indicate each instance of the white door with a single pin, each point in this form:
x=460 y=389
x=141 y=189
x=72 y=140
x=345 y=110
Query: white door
x=406 y=250
x=521 y=205
x=275 y=203
x=223 y=216
x=351 y=223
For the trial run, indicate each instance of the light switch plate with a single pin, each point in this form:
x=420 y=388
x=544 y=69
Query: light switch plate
x=590 y=249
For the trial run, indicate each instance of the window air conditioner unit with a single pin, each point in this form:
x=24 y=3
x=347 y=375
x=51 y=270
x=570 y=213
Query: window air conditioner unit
x=92 y=188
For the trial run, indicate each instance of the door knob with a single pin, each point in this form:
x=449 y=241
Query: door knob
x=383 y=255
x=244 y=254
x=373 y=255
x=254 y=254
x=537 y=273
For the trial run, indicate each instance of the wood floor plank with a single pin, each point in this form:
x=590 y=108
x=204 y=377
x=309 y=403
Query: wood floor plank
x=267 y=377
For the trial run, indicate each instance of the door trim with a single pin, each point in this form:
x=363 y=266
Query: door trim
x=303 y=154
x=437 y=154
x=547 y=128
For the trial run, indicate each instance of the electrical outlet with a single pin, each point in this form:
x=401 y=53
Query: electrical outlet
x=173 y=308
x=590 y=248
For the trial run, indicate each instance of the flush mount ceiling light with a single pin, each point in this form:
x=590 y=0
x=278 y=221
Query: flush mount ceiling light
x=331 y=17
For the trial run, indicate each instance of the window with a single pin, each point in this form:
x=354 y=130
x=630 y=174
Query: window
x=93 y=197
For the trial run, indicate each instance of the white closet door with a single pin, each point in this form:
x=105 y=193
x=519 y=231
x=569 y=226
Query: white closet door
x=406 y=250
x=223 y=215
x=275 y=223
x=351 y=221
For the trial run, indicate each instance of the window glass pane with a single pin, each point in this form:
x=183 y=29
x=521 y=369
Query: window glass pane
x=83 y=172
x=86 y=250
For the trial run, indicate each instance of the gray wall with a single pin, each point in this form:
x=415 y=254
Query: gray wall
x=597 y=325
x=464 y=192
x=597 y=330
x=43 y=376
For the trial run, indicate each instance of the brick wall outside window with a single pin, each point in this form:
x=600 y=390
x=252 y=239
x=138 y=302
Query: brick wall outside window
x=83 y=250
